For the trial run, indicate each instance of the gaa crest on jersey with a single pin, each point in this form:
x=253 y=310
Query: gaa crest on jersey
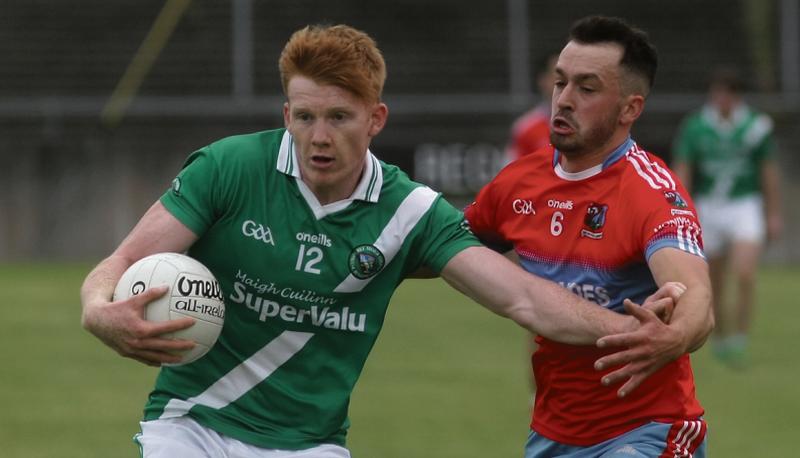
x=523 y=207
x=594 y=221
x=365 y=261
x=674 y=198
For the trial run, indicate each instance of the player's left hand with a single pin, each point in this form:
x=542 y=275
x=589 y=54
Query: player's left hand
x=644 y=350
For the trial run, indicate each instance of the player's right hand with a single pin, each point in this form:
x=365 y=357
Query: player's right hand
x=121 y=326
x=664 y=300
x=642 y=352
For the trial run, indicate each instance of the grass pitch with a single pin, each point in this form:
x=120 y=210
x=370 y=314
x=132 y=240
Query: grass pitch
x=446 y=379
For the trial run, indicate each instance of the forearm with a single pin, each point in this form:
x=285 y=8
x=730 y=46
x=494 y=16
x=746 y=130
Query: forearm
x=541 y=306
x=98 y=287
x=558 y=314
x=158 y=231
x=693 y=317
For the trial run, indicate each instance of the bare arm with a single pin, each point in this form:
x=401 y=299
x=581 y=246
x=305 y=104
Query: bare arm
x=655 y=344
x=771 y=188
x=541 y=306
x=693 y=313
x=121 y=325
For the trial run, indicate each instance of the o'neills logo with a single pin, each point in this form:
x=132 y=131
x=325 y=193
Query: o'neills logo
x=198 y=287
x=325 y=317
x=138 y=288
x=561 y=205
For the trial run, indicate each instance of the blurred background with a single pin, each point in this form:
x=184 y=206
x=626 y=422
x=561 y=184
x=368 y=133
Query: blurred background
x=101 y=101
x=78 y=166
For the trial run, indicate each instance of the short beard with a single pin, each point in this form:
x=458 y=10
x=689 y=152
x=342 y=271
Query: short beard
x=578 y=145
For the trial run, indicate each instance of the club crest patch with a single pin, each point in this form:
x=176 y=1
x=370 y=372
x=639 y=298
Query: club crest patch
x=365 y=261
x=674 y=198
x=594 y=221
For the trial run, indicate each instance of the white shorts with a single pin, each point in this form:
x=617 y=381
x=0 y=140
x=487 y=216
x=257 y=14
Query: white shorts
x=726 y=221
x=182 y=437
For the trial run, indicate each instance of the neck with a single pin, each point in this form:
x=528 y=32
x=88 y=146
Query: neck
x=326 y=194
x=329 y=193
x=580 y=161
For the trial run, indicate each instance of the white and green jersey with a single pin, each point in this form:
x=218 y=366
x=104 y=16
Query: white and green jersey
x=726 y=155
x=306 y=286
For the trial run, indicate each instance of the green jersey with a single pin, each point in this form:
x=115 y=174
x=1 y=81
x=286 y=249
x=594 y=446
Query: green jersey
x=726 y=155
x=306 y=286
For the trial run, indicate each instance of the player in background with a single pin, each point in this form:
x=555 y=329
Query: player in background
x=309 y=235
x=531 y=131
x=606 y=219
x=724 y=153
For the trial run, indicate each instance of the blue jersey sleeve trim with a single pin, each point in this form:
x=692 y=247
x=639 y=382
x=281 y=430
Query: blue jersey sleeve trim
x=670 y=242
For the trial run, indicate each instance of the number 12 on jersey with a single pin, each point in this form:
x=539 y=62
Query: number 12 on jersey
x=307 y=258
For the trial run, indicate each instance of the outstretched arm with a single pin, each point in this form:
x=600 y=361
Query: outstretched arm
x=121 y=324
x=541 y=306
x=655 y=344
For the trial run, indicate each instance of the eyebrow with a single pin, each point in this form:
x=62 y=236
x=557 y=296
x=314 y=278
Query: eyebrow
x=580 y=77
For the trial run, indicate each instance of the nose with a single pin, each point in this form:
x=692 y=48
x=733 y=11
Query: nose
x=563 y=97
x=319 y=134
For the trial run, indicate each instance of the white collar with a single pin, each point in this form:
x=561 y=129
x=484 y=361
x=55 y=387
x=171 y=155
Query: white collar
x=368 y=188
x=713 y=116
x=577 y=176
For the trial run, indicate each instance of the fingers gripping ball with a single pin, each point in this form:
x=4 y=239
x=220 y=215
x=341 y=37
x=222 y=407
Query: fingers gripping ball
x=193 y=292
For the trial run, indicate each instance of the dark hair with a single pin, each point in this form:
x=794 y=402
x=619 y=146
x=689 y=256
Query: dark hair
x=728 y=78
x=639 y=55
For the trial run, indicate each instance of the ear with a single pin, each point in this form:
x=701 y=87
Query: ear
x=378 y=117
x=286 y=117
x=632 y=108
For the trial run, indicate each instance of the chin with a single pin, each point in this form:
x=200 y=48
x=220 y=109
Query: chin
x=564 y=145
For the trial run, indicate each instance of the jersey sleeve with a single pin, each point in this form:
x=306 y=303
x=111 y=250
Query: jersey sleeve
x=663 y=212
x=444 y=235
x=191 y=198
x=481 y=216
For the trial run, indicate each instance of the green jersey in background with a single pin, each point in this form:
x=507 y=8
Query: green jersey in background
x=725 y=155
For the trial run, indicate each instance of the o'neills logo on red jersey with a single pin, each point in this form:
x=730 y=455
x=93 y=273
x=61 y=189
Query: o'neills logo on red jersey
x=594 y=221
x=561 y=204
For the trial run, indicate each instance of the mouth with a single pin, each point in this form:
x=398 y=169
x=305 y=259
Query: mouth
x=321 y=160
x=561 y=126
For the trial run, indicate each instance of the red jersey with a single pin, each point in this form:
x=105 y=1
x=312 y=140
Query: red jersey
x=593 y=232
x=530 y=132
